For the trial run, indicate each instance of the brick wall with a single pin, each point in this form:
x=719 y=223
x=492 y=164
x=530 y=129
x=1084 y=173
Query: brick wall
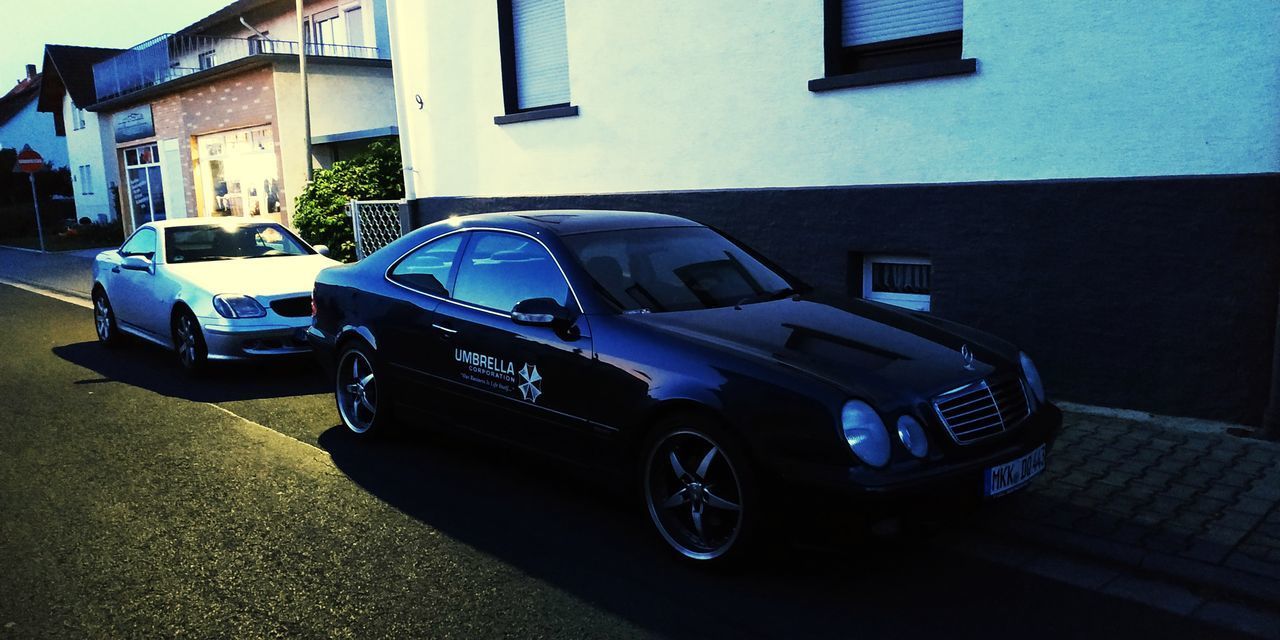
x=230 y=102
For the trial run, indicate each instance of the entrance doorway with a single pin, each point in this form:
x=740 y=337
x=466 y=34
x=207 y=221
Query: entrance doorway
x=146 y=184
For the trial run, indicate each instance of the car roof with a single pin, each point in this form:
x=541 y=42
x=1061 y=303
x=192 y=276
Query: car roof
x=565 y=222
x=203 y=221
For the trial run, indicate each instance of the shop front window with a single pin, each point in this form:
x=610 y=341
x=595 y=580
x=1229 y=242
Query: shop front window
x=240 y=174
x=146 y=188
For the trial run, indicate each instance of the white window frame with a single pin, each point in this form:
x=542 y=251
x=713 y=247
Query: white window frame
x=85 y=177
x=914 y=301
x=210 y=55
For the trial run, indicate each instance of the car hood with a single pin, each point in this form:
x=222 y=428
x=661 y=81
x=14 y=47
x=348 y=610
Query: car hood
x=264 y=277
x=864 y=349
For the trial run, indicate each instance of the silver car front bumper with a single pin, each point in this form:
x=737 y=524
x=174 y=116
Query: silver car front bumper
x=248 y=339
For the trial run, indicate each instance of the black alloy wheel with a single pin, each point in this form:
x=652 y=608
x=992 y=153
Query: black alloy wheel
x=699 y=491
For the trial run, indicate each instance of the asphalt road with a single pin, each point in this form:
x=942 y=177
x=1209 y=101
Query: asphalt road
x=136 y=502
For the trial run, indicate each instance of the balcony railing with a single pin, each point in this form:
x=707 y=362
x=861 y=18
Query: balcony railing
x=169 y=57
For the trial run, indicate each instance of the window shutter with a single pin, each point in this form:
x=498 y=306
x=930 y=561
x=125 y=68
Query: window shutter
x=541 y=52
x=868 y=21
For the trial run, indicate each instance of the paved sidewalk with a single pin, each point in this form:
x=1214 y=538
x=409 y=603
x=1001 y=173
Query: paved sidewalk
x=66 y=272
x=1198 y=509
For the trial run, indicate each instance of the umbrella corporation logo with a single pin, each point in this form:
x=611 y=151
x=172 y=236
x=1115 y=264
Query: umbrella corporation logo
x=500 y=375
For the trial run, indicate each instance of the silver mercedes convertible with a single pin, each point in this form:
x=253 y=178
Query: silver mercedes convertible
x=210 y=289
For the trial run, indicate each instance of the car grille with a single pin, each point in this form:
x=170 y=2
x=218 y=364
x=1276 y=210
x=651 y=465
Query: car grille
x=983 y=409
x=292 y=307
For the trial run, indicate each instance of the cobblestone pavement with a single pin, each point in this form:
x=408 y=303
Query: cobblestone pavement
x=1200 y=507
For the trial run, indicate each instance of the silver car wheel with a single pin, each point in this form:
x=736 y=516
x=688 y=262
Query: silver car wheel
x=693 y=494
x=188 y=340
x=357 y=392
x=102 y=317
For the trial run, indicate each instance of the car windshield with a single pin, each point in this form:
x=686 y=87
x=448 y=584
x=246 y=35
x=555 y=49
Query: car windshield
x=230 y=242
x=674 y=269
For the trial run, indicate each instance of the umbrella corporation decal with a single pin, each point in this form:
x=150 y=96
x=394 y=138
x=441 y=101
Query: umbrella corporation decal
x=500 y=375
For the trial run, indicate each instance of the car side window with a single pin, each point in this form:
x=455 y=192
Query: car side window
x=428 y=267
x=498 y=270
x=143 y=243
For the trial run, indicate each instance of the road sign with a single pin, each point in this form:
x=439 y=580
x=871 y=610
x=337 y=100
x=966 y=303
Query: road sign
x=29 y=160
x=32 y=163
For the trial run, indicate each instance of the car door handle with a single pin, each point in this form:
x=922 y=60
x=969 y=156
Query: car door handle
x=445 y=332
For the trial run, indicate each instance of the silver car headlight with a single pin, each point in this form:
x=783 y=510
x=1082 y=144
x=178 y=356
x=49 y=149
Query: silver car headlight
x=865 y=433
x=1032 y=376
x=237 y=306
x=911 y=435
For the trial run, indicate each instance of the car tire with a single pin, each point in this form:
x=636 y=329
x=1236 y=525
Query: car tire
x=363 y=403
x=700 y=491
x=188 y=342
x=104 y=320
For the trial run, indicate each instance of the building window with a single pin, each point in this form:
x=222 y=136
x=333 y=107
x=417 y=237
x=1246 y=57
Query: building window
x=333 y=31
x=77 y=118
x=535 y=59
x=239 y=172
x=903 y=281
x=208 y=59
x=85 y=177
x=893 y=40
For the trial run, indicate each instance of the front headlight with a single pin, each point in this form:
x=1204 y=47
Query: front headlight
x=865 y=433
x=237 y=306
x=1033 y=377
x=911 y=434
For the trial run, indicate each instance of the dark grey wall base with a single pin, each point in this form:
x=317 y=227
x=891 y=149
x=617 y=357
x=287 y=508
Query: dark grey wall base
x=1158 y=294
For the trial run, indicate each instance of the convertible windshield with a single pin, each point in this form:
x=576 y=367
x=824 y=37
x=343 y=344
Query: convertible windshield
x=674 y=269
x=230 y=242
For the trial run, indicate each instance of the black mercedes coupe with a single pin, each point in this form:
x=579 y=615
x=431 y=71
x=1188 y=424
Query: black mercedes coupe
x=661 y=349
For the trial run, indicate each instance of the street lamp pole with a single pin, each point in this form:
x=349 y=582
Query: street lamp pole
x=306 y=98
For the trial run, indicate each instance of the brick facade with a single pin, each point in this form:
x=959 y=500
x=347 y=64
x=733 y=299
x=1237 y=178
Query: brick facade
x=238 y=101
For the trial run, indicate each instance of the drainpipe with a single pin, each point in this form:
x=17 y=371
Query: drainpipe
x=255 y=31
x=306 y=98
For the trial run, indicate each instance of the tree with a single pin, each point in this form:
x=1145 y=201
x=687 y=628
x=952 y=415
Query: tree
x=320 y=213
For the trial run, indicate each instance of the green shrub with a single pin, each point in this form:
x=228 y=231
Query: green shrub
x=320 y=213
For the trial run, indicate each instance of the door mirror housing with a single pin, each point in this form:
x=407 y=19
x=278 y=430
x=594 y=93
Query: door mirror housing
x=322 y=249
x=542 y=312
x=136 y=262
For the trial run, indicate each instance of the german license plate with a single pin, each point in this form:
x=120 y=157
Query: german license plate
x=1003 y=478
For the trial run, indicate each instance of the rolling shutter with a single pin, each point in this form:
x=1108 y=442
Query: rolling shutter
x=868 y=21
x=541 y=52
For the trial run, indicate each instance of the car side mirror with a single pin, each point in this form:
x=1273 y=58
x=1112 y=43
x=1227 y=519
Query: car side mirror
x=136 y=263
x=541 y=312
x=322 y=249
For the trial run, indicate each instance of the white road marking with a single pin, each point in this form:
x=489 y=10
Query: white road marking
x=260 y=426
x=49 y=293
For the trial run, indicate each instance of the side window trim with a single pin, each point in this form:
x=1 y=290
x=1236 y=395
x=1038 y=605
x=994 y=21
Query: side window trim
x=453 y=269
x=151 y=255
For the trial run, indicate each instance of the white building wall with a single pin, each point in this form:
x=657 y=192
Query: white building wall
x=344 y=99
x=30 y=127
x=712 y=94
x=86 y=146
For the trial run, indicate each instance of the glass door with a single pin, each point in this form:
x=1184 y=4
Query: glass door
x=146 y=186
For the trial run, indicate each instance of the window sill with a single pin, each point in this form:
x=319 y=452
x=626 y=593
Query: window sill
x=896 y=74
x=537 y=114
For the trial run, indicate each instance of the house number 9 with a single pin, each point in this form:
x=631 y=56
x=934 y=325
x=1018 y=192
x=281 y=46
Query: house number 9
x=418 y=98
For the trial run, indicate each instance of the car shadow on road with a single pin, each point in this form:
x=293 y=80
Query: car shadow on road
x=155 y=369
x=559 y=526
